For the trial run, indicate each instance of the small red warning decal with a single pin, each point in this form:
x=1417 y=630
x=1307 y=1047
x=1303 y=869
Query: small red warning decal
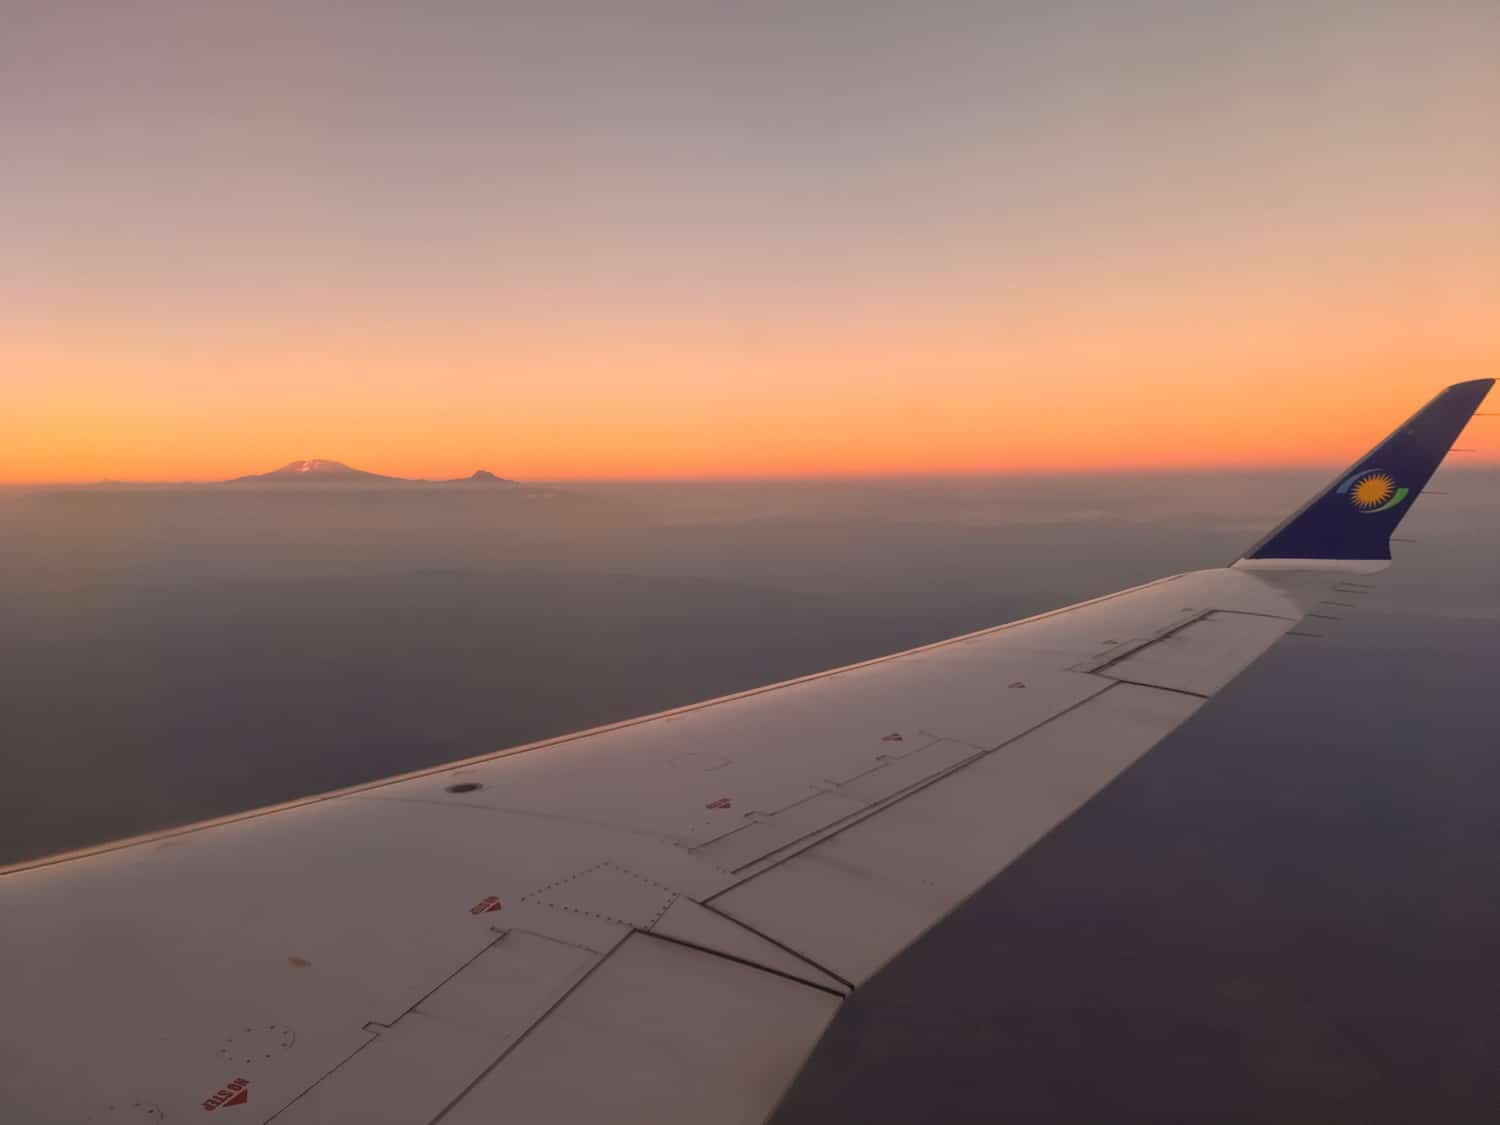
x=236 y=1093
x=894 y=736
x=721 y=803
x=487 y=905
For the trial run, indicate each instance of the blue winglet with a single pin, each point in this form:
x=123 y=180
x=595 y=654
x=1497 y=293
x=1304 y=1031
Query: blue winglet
x=1354 y=516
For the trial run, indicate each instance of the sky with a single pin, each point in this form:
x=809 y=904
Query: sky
x=570 y=240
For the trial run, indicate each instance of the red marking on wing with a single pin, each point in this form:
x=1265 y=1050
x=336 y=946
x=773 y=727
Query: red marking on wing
x=721 y=803
x=236 y=1093
x=487 y=905
x=894 y=736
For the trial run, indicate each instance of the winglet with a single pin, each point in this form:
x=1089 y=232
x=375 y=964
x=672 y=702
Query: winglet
x=1351 y=520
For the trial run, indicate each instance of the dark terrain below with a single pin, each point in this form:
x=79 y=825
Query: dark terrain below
x=1287 y=912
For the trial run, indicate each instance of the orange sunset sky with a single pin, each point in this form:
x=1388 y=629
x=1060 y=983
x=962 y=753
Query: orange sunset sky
x=574 y=241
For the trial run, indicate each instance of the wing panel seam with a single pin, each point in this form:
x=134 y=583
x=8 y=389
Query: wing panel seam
x=1157 y=687
x=797 y=953
x=519 y=1039
x=796 y=847
x=711 y=951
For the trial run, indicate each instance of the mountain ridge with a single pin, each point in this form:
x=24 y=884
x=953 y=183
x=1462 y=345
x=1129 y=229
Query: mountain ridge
x=326 y=471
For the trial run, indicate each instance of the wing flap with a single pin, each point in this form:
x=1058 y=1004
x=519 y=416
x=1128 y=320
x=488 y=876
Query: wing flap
x=660 y=1034
x=840 y=801
x=854 y=899
x=1203 y=655
x=411 y=1070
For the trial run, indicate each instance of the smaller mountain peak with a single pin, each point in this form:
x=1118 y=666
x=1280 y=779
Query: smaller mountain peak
x=484 y=476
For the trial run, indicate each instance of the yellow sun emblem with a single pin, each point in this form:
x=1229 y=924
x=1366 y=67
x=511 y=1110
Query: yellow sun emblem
x=1373 y=491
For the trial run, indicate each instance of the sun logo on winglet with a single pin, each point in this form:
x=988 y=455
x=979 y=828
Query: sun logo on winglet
x=1373 y=491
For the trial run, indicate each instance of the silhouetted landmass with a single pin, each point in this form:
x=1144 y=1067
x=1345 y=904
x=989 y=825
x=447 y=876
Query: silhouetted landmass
x=325 y=472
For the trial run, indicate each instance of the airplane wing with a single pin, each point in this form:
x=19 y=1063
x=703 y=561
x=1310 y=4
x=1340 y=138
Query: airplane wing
x=649 y=922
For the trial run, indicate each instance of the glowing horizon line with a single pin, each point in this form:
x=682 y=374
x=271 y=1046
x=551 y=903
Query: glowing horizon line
x=1037 y=469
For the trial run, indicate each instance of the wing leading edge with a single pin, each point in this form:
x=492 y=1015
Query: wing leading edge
x=650 y=922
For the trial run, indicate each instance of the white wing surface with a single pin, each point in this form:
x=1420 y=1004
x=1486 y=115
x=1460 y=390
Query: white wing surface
x=650 y=922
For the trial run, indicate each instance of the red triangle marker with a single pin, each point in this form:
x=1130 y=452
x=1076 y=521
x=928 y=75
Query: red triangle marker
x=241 y=1098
